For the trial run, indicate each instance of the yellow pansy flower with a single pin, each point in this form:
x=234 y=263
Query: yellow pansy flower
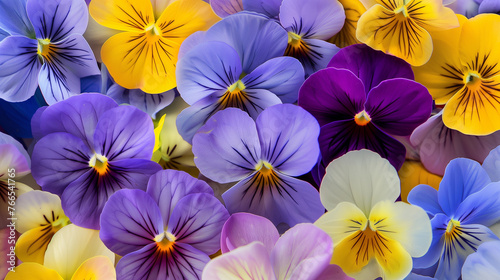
x=464 y=74
x=145 y=55
x=400 y=27
x=347 y=35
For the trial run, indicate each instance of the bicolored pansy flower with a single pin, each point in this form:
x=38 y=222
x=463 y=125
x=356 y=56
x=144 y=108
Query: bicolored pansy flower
x=39 y=216
x=462 y=210
x=253 y=249
x=74 y=253
x=144 y=55
x=263 y=157
x=471 y=8
x=347 y=35
x=238 y=63
x=412 y=174
x=401 y=27
x=46 y=49
x=88 y=148
x=464 y=75
x=437 y=144
x=484 y=263
x=171 y=150
x=373 y=236
x=361 y=100
x=167 y=232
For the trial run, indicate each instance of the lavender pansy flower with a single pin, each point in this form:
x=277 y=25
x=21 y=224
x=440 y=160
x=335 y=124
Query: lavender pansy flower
x=361 y=100
x=263 y=157
x=55 y=57
x=167 y=232
x=88 y=148
x=471 y=8
x=461 y=212
x=252 y=249
x=247 y=73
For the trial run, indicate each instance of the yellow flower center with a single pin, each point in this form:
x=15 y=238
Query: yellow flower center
x=472 y=80
x=165 y=241
x=43 y=47
x=264 y=168
x=153 y=30
x=452 y=227
x=236 y=88
x=402 y=11
x=60 y=222
x=362 y=118
x=294 y=39
x=99 y=163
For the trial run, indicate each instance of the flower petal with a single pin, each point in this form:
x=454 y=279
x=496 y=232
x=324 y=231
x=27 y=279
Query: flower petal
x=99 y=267
x=334 y=271
x=123 y=15
x=32 y=271
x=289 y=138
x=247 y=262
x=130 y=220
x=14 y=155
x=302 y=252
x=483 y=263
x=427 y=198
x=19 y=68
x=314 y=54
x=227 y=147
x=412 y=174
x=270 y=8
x=342 y=182
x=244 y=228
x=347 y=35
x=481 y=207
x=224 y=8
x=492 y=164
x=15 y=20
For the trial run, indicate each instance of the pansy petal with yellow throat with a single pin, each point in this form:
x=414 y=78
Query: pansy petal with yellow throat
x=125 y=15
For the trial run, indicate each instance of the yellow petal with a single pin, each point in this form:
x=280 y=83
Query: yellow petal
x=31 y=245
x=384 y=30
x=157 y=130
x=125 y=15
x=413 y=173
x=432 y=15
x=96 y=268
x=347 y=35
x=184 y=17
x=33 y=271
x=145 y=61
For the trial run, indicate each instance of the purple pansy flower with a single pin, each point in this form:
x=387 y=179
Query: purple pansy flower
x=45 y=49
x=238 y=63
x=263 y=156
x=251 y=245
x=167 y=232
x=363 y=98
x=88 y=148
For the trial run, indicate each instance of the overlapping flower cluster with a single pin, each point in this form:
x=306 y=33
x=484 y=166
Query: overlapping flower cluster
x=246 y=139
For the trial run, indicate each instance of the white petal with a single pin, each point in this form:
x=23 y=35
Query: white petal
x=34 y=208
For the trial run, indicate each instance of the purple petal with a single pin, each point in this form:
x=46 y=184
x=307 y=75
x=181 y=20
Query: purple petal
x=36 y=123
x=468 y=8
x=59 y=159
x=192 y=41
x=270 y=8
x=257 y=100
x=255 y=38
x=124 y=132
x=371 y=66
x=84 y=199
x=224 y=8
x=14 y=155
x=425 y=197
x=130 y=220
x=3 y=34
x=303 y=252
x=438 y=144
x=244 y=228
x=318 y=19
x=489 y=6
x=150 y=262
x=227 y=147
x=57 y=19
x=19 y=68
x=340 y=137
x=15 y=20
x=289 y=138
x=167 y=187
x=282 y=76
x=280 y=198
x=482 y=207
x=398 y=106
x=332 y=94
x=492 y=164
x=77 y=116
x=333 y=271
x=207 y=68
x=197 y=220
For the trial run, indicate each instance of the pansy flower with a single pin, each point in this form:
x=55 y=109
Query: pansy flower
x=46 y=49
x=347 y=35
x=484 y=263
x=144 y=55
x=401 y=27
x=263 y=157
x=239 y=63
x=373 y=236
x=167 y=232
x=74 y=253
x=464 y=75
x=363 y=98
x=252 y=249
x=88 y=148
x=462 y=210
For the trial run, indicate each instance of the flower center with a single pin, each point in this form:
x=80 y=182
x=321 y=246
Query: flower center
x=472 y=80
x=99 y=163
x=236 y=88
x=452 y=227
x=165 y=241
x=402 y=11
x=153 y=30
x=362 y=118
x=294 y=39
x=43 y=47
x=264 y=168
x=61 y=222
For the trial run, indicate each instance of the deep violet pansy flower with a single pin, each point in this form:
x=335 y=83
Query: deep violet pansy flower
x=239 y=63
x=88 y=148
x=263 y=157
x=363 y=98
x=46 y=48
x=167 y=232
